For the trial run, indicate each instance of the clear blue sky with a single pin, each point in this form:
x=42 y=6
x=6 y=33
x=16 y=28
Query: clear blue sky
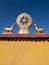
x=38 y=9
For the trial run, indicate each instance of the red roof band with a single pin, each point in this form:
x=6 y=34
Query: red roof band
x=24 y=35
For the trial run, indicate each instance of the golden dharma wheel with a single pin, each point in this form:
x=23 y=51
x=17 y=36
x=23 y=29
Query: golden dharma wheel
x=24 y=21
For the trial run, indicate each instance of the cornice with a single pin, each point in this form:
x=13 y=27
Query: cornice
x=36 y=37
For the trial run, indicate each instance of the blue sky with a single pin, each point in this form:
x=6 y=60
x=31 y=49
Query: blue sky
x=37 y=9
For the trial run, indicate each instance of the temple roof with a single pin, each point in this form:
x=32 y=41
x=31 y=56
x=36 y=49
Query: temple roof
x=24 y=35
x=32 y=37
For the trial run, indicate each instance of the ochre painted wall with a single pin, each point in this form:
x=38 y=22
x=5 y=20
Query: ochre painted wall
x=24 y=52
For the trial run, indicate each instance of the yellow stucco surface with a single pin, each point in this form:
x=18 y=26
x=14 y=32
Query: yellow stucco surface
x=24 y=52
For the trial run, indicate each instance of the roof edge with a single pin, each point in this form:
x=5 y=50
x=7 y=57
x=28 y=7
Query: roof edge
x=24 y=35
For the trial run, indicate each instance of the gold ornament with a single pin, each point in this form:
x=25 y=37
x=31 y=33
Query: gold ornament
x=24 y=21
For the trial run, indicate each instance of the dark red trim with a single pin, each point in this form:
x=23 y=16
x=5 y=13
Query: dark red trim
x=24 y=35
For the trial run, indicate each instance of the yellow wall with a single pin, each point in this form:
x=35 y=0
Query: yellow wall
x=24 y=52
